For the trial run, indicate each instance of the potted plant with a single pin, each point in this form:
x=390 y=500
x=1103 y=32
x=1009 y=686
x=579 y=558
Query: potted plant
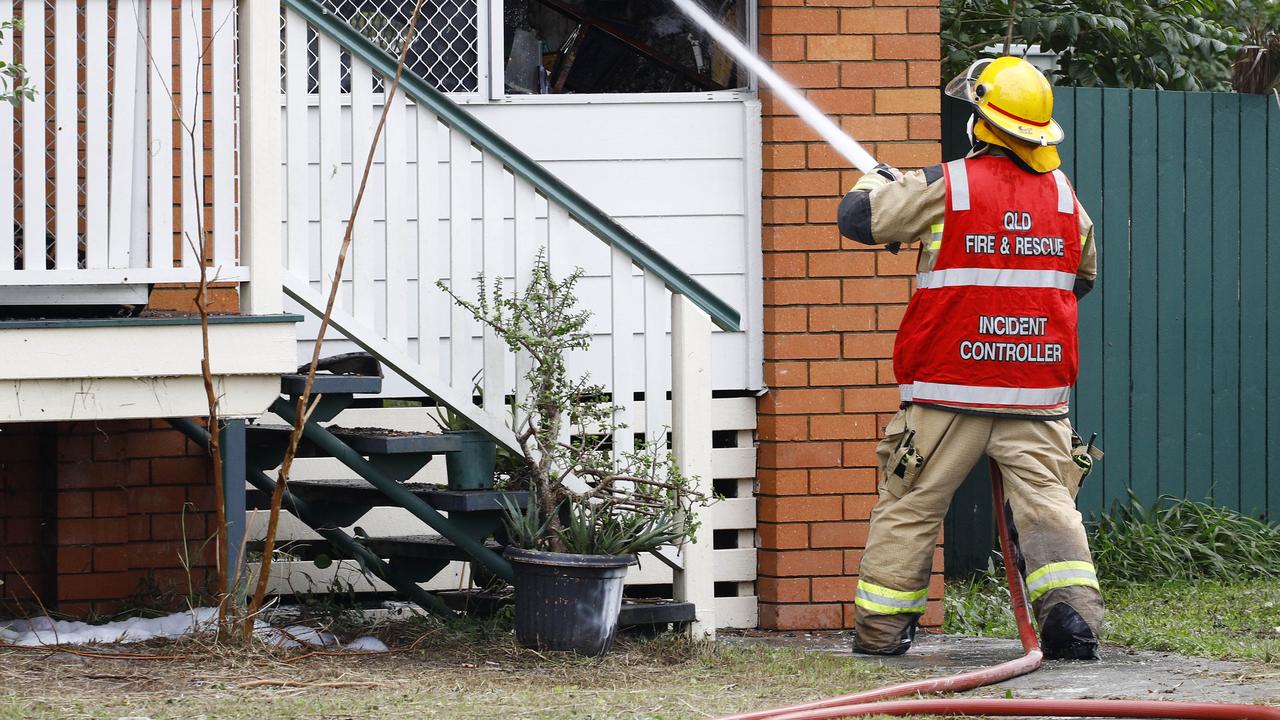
x=472 y=467
x=591 y=510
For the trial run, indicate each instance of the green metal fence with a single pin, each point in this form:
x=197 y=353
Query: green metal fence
x=1179 y=351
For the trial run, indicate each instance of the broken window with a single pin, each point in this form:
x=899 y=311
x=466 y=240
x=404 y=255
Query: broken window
x=550 y=46
x=617 y=46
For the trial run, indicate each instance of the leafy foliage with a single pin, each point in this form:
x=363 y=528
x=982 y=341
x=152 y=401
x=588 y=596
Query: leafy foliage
x=584 y=497
x=14 y=87
x=1257 y=67
x=1178 y=539
x=979 y=606
x=1165 y=44
x=596 y=529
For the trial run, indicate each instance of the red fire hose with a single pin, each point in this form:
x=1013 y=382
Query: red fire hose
x=868 y=702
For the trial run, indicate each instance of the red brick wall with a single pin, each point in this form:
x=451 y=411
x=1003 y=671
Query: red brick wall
x=25 y=528
x=832 y=306
x=129 y=500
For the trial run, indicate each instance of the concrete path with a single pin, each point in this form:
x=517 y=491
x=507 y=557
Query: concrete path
x=1121 y=674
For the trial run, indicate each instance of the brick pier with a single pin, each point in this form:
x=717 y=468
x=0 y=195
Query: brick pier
x=832 y=306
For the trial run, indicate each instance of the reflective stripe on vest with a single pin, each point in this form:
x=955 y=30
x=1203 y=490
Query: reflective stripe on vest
x=1060 y=575
x=1066 y=198
x=935 y=233
x=992 y=277
x=958 y=185
x=920 y=391
x=887 y=601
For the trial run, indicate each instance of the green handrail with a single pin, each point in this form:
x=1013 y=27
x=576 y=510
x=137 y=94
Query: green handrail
x=593 y=218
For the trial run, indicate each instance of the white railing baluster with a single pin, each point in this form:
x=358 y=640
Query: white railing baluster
x=621 y=335
x=558 y=225
x=95 y=138
x=7 y=198
x=297 y=142
x=334 y=194
x=395 y=146
x=691 y=443
x=527 y=246
x=657 y=364
x=66 y=194
x=261 y=135
x=160 y=149
x=363 y=255
x=495 y=350
x=223 y=27
x=461 y=277
x=124 y=94
x=428 y=237
x=192 y=173
x=139 y=237
x=34 y=170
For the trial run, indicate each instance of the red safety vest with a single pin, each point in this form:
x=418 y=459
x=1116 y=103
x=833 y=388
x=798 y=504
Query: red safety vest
x=993 y=324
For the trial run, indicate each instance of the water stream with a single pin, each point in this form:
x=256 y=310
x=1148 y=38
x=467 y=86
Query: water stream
x=812 y=116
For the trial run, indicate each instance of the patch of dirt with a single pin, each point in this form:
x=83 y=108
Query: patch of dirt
x=436 y=673
x=375 y=432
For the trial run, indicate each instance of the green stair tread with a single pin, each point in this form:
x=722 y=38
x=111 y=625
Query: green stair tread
x=328 y=384
x=429 y=547
x=366 y=441
x=356 y=490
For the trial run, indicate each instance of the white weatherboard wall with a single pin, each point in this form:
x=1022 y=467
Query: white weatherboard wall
x=732 y=520
x=683 y=175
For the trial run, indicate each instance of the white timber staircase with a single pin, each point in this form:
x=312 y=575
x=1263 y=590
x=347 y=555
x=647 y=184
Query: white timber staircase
x=449 y=199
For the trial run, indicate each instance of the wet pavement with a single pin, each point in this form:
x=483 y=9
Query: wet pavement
x=1121 y=674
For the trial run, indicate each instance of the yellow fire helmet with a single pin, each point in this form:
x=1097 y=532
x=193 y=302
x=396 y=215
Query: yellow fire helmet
x=1014 y=103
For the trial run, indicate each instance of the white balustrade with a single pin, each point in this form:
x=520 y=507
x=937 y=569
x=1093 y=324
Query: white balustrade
x=91 y=193
x=439 y=207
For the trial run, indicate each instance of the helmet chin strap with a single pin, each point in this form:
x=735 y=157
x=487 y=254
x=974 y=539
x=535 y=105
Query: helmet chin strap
x=968 y=129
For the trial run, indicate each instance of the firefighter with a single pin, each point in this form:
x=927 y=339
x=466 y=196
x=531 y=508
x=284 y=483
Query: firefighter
x=985 y=359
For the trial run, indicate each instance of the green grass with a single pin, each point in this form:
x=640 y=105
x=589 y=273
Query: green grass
x=1236 y=620
x=1226 y=620
x=979 y=607
x=1180 y=577
x=464 y=672
x=1182 y=540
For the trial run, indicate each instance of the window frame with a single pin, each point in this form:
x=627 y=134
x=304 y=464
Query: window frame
x=491 y=68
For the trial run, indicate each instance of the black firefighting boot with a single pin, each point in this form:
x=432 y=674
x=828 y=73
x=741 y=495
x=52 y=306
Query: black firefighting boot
x=892 y=648
x=1064 y=635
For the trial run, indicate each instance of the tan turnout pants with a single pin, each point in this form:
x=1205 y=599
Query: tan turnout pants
x=1040 y=483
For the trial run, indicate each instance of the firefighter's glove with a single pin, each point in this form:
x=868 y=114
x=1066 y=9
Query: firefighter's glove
x=881 y=175
x=888 y=172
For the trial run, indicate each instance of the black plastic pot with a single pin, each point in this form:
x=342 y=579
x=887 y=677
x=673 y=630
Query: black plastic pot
x=566 y=601
x=472 y=467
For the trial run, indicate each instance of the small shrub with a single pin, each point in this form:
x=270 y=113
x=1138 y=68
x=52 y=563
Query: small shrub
x=1183 y=540
x=979 y=606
